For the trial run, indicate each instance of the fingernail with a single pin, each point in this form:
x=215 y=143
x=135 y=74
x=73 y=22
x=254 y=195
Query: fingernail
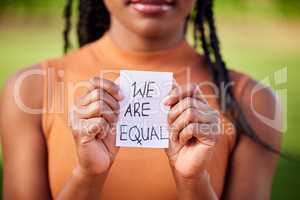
x=120 y=95
x=166 y=100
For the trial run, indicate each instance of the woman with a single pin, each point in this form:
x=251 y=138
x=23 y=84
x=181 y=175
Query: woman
x=62 y=153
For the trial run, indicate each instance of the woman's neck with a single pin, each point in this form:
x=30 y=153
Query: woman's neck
x=134 y=42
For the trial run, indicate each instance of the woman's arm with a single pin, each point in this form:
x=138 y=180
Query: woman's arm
x=193 y=189
x=25 y=151
x=23 y=144
x=253 y=167
x=193 y=135
x=82 y=187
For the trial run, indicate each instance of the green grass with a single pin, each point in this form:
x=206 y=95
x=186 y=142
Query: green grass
x=257 y=48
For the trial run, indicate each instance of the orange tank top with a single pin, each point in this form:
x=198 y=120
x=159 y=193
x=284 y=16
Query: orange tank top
x=137 y=174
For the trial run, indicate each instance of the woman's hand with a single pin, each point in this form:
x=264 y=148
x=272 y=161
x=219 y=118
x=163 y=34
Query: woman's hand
x=93 y=119
x=194 y=130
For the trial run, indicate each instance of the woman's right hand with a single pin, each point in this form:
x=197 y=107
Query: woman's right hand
x=93 y=118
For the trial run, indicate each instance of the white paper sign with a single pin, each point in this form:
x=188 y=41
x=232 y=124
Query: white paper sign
x=143 y=116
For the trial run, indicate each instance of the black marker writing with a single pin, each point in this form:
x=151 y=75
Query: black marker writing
x=137 y=109
x=144 y=91
x=140 y=134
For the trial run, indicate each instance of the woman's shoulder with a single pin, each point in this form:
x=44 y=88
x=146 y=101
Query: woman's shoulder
x=244 y=85
x=26 y=87
x=239 y=81
x=22 y=95
x=261 y=106
x=246 y=88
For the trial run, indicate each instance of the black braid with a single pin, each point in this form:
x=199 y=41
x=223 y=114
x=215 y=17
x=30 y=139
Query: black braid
x=67 y=15
x=94 y=21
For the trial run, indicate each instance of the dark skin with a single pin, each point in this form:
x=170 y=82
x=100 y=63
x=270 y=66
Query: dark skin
x=96 y=150
x=147 y=32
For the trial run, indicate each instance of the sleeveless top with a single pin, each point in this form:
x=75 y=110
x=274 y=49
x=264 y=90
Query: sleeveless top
x=136 y=173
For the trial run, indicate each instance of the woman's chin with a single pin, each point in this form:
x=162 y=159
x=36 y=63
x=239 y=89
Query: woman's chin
x=151 y=28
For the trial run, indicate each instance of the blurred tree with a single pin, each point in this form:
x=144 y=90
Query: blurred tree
x=288 y=7
x=30 y=4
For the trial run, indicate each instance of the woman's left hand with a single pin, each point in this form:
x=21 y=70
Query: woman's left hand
x=194 y=130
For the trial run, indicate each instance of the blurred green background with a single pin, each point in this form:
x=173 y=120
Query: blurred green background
x=258 y=37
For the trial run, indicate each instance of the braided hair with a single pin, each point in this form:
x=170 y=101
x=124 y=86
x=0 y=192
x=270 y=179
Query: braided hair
x=94 y=21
